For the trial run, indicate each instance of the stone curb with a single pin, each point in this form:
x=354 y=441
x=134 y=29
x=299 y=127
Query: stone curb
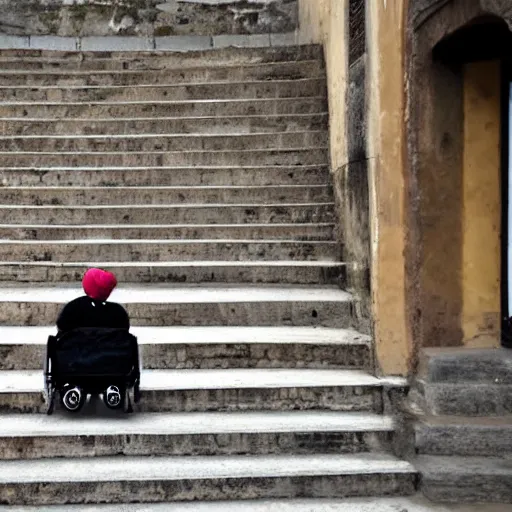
x=120 y=43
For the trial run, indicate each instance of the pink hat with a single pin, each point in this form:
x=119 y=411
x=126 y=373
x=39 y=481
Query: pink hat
x=98 y=284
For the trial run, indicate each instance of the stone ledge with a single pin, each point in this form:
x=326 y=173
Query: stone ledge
x=134 y=43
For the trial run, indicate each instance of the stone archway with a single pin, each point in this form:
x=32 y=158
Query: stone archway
x=454 y=203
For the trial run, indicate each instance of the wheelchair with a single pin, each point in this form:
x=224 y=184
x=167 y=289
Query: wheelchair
x=92 y=361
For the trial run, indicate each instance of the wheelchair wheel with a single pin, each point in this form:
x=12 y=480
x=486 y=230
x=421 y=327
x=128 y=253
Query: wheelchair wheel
x=113 y=397
x=50 y=398
x=72 y=398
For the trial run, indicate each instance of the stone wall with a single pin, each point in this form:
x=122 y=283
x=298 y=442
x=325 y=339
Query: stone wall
x=146 y=17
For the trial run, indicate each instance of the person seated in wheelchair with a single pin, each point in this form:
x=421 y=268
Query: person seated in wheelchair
x=93 y=311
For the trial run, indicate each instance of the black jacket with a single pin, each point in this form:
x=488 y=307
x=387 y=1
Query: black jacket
x=86 y=312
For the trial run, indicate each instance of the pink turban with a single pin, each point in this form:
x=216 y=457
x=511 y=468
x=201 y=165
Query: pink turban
x=98 y=284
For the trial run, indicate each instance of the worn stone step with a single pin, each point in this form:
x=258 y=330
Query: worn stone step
x=157 y=109
x=299 y=232
x=171 y=479
x=175 y=125
x=467 y=399
x=163 y=142
x=314 y=155
x=118 y=195
x=162 y=305
x=416 y=503
x=169 y=214
x=247 y=72
x=167 y=250
x=23 y=348
x=464 y=436
x=466 y=479
x=303 y=87
x=455 y=365
x=166 y=176
x=152 y=60
x=191 y=434
x=226 y=390
x=270 y=272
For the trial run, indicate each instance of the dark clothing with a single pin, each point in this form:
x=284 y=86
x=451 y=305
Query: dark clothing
x=86 y=312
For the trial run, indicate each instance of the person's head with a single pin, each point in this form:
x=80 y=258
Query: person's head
x=98 y=284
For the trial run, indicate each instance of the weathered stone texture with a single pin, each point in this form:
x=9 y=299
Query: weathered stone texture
x=146 y=17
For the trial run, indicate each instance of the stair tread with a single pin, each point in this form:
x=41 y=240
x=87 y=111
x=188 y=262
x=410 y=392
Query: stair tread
x=25 y=425
x=31 y=381
x=181 y=335
x=443 y=467
x=171 y=294
x=133 y=468
x=180 y=264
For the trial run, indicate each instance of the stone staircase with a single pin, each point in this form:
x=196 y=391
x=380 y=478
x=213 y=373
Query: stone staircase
x=202 y=180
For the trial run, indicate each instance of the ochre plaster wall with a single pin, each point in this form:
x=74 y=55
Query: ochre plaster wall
x=388 y=183
x=481 y=225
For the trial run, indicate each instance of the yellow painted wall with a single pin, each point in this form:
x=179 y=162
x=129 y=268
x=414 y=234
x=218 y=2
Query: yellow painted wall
x=324 y=21
x=481 y=252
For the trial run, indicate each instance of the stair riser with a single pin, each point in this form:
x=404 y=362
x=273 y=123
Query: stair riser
x=280 y=71
x=225 y=125
x=153 y=274
x=464 y=489
x=219 y=91
x=263 y=107
x=311 y=313
x=269 y=232
x=191 y=445
x=243 y=355
x=131 y=196
x=167 y=177
x=168 y=143
x=379 y=484
x=186 y=251
x=310 y=156
x=341 y=399
x=170 y=215
x=146 y=60
x=464 y=440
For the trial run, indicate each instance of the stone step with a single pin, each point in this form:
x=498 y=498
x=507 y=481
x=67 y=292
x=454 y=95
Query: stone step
x=199 y=125
x=314 y=155
x=299 y=232
x=252 y=272
x=119 y=195
x=292 y=175
x=156 y=109
x=162 y=305
x=169 y=214
x=464 y=436
x=153 y=60
x=225 y=390
x=163 y=142
x=455 y=365
x=369 y=504
x=247 y=72
x=191 y=434
x=23 y=348
x=167 y=250
x=304 y=87
x=170 y=479
x=466 y=479
x=467 y=399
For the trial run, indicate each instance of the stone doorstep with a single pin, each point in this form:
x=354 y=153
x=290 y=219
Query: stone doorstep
x=454 y=479
x=464 y=436
x=124 y=43
x=373 y=504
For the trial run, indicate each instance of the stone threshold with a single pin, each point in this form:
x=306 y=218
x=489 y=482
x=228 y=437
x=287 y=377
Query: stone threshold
x=134 y=43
